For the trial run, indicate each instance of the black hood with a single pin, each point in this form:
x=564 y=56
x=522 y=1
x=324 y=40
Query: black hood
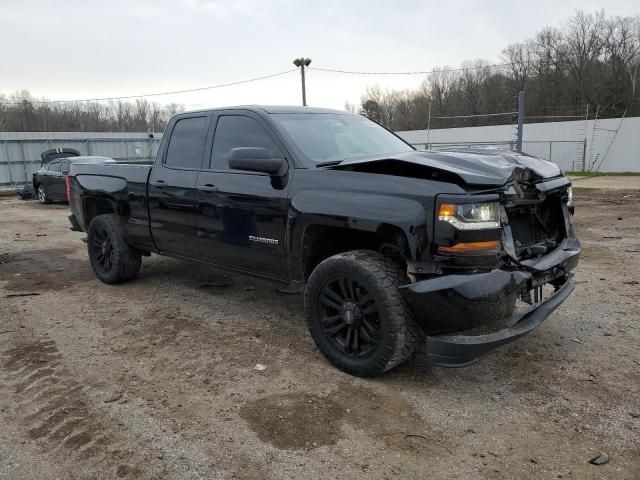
x=488 y=167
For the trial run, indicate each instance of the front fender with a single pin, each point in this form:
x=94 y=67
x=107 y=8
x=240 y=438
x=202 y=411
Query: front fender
x=355 y=210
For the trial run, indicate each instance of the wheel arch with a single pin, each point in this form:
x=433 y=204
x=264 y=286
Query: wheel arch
x=94 y=205
x=102 y=194
x=339 y=221
x=320 y=241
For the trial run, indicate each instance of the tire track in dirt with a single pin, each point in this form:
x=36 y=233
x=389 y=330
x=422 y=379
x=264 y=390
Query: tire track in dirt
x=43 y=270
x=55 y=409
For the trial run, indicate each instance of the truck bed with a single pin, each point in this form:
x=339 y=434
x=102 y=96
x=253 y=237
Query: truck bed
x=131 y=172
x=124 y=185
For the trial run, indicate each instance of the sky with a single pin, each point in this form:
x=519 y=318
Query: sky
x=76 y=49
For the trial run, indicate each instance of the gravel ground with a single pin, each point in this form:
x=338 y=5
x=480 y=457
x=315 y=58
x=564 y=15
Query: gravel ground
x=623 y=182
x=156 y=379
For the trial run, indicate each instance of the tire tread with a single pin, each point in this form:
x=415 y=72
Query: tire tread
x=127 y=259
x=388 y=274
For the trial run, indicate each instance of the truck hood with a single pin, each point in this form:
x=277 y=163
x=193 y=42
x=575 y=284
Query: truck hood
x=486 y=167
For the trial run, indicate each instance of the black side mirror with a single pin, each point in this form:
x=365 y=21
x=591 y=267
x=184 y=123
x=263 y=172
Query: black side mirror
x=254 y=159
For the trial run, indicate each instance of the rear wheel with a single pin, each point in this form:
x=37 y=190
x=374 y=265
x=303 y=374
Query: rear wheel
x=42 y=195
x=356 y=315
x=112 y=259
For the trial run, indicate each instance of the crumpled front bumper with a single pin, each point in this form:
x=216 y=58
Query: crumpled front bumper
x=455 y=303
x=463 y=350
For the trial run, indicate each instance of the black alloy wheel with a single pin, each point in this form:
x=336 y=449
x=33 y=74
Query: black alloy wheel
x=112 y=258
x=349 y=316
x=103 y=249
x=356 y=314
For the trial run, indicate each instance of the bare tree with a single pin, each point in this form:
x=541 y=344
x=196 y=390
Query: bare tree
x=592 y=60
x=520 y=59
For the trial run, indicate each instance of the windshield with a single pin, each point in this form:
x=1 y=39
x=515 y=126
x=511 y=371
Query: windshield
x=326 y=137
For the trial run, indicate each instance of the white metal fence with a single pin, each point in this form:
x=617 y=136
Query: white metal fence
x=611 y=145
x=20 y=151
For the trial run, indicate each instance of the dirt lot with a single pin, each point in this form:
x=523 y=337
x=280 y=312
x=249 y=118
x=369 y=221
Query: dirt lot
x=155 y=379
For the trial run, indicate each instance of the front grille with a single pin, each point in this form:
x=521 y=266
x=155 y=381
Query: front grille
x=537 y=228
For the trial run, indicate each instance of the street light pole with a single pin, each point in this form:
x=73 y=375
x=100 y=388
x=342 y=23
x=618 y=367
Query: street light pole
x=301 y=63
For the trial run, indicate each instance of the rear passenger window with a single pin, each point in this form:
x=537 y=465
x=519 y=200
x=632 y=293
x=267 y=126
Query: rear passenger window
x=234 y=131
x=54 y=166
x=187 y=143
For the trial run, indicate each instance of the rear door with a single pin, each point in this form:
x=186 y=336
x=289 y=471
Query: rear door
x=242 y=216
x=55 y=181
x=171 y=190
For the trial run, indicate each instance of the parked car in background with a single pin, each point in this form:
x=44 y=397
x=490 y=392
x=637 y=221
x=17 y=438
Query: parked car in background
x=49 y=182
x=28 y=191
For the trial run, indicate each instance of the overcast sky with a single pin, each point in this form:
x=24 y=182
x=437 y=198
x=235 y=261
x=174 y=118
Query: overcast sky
x=68 y=49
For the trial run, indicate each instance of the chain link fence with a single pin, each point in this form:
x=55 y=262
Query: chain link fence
x=599 y=145
x=20 y=151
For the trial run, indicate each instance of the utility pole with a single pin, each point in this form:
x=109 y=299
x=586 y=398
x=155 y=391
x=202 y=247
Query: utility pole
x=584 y=142
x=301 y=63
x=520 y=121
x=429 y=128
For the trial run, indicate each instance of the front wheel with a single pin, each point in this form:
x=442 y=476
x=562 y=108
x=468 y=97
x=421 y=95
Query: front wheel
x=356 y=315
x=42 y=195
x=112 y=259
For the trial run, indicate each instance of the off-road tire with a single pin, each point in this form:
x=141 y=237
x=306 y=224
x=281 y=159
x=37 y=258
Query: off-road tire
x=125 y=260
x=380 y=277
x=41 y=195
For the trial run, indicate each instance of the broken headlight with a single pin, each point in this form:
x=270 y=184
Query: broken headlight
x=471 y=216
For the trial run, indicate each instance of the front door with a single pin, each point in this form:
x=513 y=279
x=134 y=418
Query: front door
x=242 y=216
x=172 y=193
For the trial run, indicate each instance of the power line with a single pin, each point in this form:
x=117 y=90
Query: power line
x=157 y=94
x=425 y=72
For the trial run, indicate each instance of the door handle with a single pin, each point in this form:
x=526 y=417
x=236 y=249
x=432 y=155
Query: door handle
x=207 y=188
x=158 y=183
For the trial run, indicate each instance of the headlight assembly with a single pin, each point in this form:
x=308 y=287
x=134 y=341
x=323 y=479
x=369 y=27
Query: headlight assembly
x=471 y=216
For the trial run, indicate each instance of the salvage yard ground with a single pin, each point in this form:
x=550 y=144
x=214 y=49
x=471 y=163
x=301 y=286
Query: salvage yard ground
x=156 y=379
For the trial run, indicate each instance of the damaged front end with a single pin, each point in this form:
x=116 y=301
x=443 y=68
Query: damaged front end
x=489 y=251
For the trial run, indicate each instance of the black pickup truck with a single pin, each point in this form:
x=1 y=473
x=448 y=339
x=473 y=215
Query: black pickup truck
x=393 y=247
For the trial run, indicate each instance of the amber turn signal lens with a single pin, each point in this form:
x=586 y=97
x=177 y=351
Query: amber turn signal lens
x=486 y=248
x=447 y=210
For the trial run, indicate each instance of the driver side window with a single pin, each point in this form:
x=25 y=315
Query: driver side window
x=234 y=131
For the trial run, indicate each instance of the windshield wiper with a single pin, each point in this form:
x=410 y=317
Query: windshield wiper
x=329 y=163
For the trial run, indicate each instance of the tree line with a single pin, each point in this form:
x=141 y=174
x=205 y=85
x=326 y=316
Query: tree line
x=591 y=63
x=20 y=112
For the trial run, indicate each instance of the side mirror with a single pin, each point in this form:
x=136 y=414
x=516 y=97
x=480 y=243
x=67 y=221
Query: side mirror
x=254 y=159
